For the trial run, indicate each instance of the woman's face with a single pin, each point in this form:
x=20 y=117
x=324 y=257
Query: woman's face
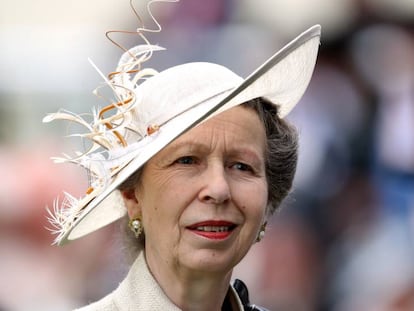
x=203 y=197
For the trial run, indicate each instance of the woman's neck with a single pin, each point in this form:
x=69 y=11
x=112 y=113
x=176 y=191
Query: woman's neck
x=189 y=289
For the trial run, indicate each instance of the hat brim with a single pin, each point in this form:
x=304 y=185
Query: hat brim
x=282 y=79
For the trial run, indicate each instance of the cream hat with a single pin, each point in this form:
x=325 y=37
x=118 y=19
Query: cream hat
x=151 y=114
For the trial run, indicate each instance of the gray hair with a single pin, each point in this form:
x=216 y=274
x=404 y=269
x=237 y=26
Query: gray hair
x=282 y=151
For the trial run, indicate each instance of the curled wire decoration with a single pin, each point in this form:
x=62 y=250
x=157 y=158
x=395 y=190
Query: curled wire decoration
x=102 y=159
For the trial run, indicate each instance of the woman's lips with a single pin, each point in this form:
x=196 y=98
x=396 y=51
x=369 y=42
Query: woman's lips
x=213 y=229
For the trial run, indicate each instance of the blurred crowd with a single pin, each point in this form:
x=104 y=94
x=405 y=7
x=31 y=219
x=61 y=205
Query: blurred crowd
x=344 y=239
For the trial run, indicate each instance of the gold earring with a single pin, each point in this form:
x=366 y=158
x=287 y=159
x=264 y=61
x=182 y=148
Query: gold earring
x=136 y=226
x=262 y=231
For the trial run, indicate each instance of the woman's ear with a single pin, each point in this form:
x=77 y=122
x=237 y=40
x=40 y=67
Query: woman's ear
x=131 y=203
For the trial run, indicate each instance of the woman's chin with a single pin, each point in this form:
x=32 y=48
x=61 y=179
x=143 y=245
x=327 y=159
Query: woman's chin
x=209 y=261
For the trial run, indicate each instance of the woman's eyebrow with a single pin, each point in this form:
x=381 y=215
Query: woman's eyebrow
x=192 y=146
x=188 y=145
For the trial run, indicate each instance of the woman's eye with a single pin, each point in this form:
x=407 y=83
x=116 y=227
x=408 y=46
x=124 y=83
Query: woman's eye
x=186 y=160
x=242 y=167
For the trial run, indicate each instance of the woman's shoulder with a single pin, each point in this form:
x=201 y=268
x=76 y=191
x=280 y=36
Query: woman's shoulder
x=138 y=291
x=105 y=304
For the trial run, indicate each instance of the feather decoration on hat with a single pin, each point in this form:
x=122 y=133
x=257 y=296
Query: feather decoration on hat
x=108 y=152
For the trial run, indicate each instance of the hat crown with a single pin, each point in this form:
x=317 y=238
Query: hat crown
x=174 y=91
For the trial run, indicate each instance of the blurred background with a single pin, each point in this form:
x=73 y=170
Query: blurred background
x=344 y=239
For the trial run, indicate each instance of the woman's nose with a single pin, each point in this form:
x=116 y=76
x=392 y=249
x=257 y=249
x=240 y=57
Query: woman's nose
x=216 y=189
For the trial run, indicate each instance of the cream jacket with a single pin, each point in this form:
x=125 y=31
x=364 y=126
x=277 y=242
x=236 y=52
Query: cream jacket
x=140 y=292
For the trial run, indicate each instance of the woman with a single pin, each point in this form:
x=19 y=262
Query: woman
x=216 y=176
x=197 y=159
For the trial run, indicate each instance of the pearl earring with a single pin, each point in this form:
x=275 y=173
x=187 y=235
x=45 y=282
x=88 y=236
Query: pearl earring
x=136 y=226
x=262 y=231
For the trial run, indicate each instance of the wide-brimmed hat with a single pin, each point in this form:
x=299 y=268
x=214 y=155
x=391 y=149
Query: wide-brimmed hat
x=153 y=113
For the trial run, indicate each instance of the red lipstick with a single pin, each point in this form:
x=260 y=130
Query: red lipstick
x=213 y=229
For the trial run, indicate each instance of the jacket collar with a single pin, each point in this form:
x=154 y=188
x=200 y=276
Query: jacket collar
x=140 y=290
